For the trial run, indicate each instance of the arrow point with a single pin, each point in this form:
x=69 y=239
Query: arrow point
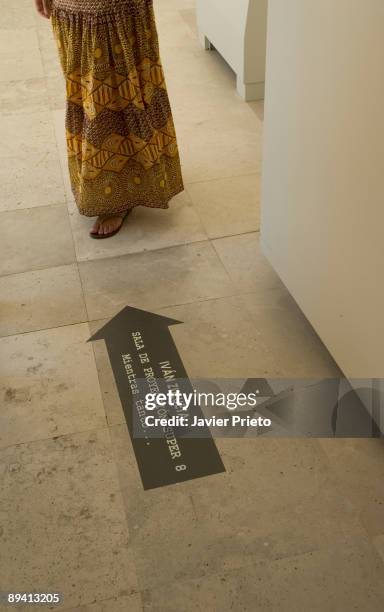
x=133 y=317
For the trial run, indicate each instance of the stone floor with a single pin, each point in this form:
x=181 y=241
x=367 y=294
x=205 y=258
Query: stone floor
x=292 y=524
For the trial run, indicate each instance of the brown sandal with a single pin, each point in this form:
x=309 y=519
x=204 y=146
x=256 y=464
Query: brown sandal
x=100 y=236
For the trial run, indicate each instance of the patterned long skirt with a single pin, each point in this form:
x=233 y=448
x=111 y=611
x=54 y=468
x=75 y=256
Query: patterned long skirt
x=121 y=141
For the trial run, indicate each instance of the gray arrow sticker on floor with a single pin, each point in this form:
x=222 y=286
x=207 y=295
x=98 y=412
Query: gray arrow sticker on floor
x=138 y=342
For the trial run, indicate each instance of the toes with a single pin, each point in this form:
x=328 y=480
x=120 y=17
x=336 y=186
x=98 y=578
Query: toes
x=95 y=229
x=106 y=226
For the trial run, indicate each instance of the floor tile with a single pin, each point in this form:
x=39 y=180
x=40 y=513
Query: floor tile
x=189 y=16
x=318 y=581
x=294 y=344
x=111 y=400
x=22 y=97
x=15 y=15
x=378 y=542
x=358 y=467
x=49 y=385
x=191 y=66
x=145 y=230
x=219 y=340
x=49 y=52
x=41 y=299
x=299 y=507
x=19 y=55
x=41 y=22
x=56 y=92
x=30 y=169
x=228 y=206
x=128 y=603
x=223 y=147
x=173 y=30
x=55 y=81
x=205 y=92
x=258 y=108
x=35 y=238
x=65 y=519
x=58 y=117
x=247 y=266
x=218 y=134
x=149 y=515
x=214 y=526
x=153 y=280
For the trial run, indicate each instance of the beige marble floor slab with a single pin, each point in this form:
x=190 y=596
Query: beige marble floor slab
x=201 y=86
x=58 y=117
x=49 y=385
x=65 y=520
x=192 y=66
x=22 y=97
x=56 y=93
x=228 y=206
x=55 y=82
x=159 y=520
x=30 y=170
x=218 y=339
x=224 y=147
x=111 y=400
x=146 y=229
x=299 y=506
x=49 y=52
x=172 y=5
x=35 y=238
x=173 y=30
x=41 y=22
x=258 y=108
x=260 y=513
x=153 y=280
x=190 y=18
x=129 y=603
x=247 y=266
x=41 y=299
x=210 y=537
x=26 y=135
x=15 y=15
x=295 y=346
x=378 y=542
x=194 y=105
x=358 y=466
x=339 y=578
x=20 y=55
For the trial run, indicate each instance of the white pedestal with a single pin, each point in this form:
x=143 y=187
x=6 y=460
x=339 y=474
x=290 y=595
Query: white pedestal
x=237 y=30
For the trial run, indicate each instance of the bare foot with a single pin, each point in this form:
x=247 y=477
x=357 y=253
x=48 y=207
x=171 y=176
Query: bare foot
x=105 y=224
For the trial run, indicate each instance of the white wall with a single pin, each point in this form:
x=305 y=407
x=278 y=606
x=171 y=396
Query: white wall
x=323 y=183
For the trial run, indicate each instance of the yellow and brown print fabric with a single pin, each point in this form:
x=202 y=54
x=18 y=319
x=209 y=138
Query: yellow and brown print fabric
x=121 y=141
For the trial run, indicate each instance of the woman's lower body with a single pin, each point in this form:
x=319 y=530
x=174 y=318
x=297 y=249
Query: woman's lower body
x=121 y=142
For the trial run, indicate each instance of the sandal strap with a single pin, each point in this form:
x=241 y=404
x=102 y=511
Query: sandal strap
x=106 y=217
